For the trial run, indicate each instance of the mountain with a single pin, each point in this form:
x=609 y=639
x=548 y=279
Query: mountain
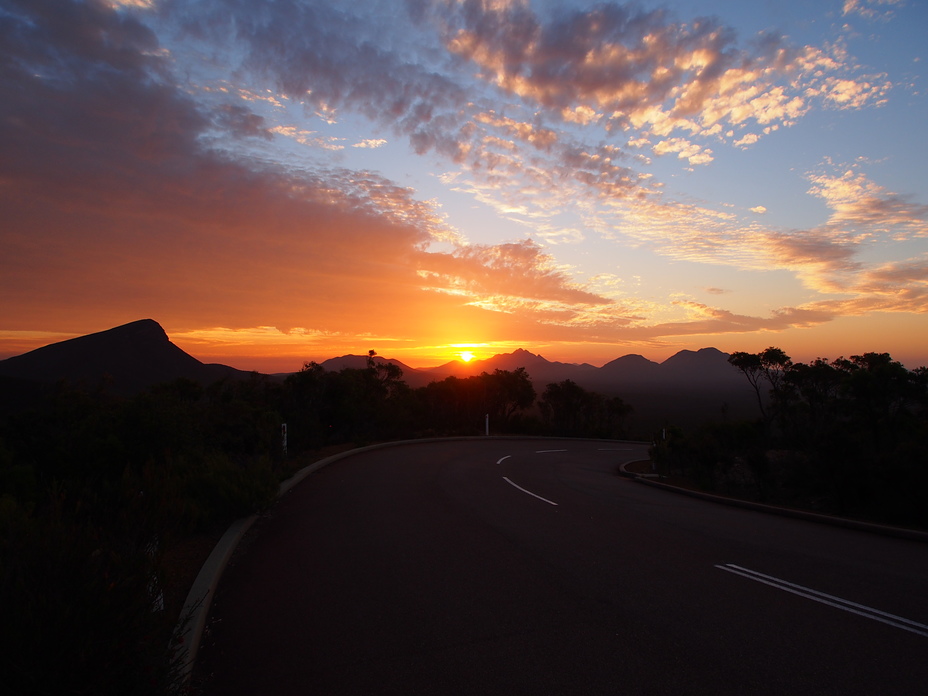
x=629 y=369
x=703 y=365
x=687 y=388
x=413 y=377
x=129 y=358
x=542 y=371
x=359 y=362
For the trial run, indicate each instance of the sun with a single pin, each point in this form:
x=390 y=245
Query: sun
x=466 y=356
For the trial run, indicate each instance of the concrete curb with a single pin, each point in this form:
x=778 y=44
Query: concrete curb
x=885 y=530
x=199 y=599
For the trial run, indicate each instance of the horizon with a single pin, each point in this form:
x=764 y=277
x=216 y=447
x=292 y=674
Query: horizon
x=585 y=180
x=479 y=353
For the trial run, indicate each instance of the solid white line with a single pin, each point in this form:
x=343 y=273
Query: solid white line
x=544 y=451
x=832 y=597
x=502 y=459
x=549 y=502
x=830 y=600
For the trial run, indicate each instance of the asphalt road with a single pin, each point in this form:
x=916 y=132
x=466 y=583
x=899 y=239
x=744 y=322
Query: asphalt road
x=530 y=567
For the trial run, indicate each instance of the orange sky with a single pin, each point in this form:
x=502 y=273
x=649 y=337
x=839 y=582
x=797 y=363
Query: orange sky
x=665 y=184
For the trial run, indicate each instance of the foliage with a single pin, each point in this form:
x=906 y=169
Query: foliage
x=570 y=410
x=461 y=406
x=846 y=436
x=94 y=487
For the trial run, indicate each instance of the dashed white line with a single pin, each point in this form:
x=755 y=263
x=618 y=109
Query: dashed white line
x=534 y=495
x=546 y=451
x=830 y=600
x=502 y=459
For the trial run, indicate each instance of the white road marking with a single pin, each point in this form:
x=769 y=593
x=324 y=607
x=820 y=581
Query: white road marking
x=830 y=600
x=549 y=502
x=545 y=451
x=502 y=459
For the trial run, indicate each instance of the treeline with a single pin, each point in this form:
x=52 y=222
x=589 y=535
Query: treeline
x=847 y=437
x=376 y=404
x=95 y=488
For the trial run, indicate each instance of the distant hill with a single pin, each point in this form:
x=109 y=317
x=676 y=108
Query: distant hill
x=688 y=387
x=129 y=358
x=413 y=377
x=541 y=371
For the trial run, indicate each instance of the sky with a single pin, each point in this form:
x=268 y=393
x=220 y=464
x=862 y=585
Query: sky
x=279 y=182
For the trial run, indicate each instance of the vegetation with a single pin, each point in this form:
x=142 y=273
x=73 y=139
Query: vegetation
x=92 y=491
x=847 y=437
x=95 y=488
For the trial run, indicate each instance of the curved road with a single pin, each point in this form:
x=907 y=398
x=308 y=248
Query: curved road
x=529 y=567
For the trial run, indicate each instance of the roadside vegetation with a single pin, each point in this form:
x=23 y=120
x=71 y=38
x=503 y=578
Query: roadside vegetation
x=846 y=437
x=97 y=492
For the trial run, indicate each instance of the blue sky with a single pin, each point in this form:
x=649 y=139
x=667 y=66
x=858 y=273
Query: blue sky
x=278 y=182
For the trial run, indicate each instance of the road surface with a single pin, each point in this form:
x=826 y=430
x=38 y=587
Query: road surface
x=529 y=567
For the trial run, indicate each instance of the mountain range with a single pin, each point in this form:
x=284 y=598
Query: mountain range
x=135 y=356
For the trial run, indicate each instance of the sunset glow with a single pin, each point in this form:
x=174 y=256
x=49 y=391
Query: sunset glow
x=282 y=182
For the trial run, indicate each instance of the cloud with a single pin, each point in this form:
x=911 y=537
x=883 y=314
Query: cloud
x=371 y=144
x=870 y=9
x=122 y=203
x=857 y=202
x=694 y=154
x=511 y=274
x=328 y=59
x=138 y=179
x=309 y=138
x=635 y=67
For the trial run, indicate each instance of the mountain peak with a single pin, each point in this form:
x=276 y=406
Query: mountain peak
x=134 y=355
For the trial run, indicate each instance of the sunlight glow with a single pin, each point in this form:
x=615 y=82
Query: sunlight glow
x=466 y=356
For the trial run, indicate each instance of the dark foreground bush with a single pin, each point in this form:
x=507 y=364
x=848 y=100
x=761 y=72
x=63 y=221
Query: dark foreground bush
x=82 y=611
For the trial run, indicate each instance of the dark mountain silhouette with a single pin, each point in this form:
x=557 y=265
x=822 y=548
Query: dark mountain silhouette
x=127 y=359
x=541 y=371
x=359 y=362
x=629 y=369
x=413 y=377
x=688 y=387
x=703 y=365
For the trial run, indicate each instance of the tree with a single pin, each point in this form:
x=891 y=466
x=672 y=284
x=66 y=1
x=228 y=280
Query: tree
x=507 y=392
x=770 y=366
x=570 y=410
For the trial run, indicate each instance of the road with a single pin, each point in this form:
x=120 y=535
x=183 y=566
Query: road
x=529 y=567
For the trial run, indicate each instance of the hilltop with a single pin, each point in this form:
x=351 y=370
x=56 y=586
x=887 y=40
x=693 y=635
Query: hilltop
x=127 y=359
x=132 y=357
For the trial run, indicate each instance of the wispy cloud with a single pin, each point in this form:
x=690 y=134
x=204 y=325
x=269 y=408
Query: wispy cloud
x=871 y=9
x=371 y=143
